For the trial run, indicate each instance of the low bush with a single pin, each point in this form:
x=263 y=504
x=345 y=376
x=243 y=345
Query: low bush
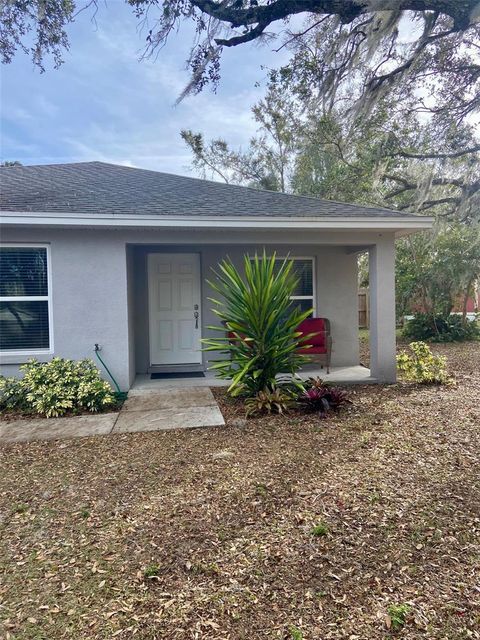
x=422 y=366
x=56 y=388
x=13 y=396
x=311 y=396
x=424 y=326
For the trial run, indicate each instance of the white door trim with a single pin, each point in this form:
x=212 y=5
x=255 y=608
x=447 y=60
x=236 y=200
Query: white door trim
x=179 y=319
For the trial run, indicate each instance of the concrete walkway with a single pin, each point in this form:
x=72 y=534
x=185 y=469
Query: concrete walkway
x=151 y=410
x=29 y=429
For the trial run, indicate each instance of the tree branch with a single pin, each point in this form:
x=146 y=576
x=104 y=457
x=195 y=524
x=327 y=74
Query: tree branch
x=426 y=156
x=428 y=204
x=377 y=81
x=294 y=36
x=407 y=185
x=237 y=15
x=248 y=36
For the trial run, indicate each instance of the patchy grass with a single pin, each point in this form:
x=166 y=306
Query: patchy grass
x=319 y=530
x=151 y=536
x=397 y=615
x=152 y=571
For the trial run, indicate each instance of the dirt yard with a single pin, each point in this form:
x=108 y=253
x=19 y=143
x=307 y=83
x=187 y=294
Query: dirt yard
x=208 y=534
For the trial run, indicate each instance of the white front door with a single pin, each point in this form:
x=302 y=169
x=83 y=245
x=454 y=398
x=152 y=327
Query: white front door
x=174 y=308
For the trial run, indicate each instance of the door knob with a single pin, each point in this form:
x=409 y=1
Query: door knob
x=195 y=315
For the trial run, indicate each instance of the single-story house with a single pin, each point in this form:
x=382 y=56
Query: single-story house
x=94 y=253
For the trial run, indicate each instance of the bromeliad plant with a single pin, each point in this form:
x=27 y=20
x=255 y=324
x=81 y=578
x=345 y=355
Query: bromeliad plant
x=259 y=338
x=321 y=398
x=267 y=401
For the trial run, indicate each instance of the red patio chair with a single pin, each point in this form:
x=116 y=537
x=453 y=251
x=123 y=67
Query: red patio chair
x=321 y=343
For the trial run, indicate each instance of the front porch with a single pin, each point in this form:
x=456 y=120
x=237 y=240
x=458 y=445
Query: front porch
x=170 y=311
x=356 y=374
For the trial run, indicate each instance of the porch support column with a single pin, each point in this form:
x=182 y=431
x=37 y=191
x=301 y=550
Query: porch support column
x=382 y=309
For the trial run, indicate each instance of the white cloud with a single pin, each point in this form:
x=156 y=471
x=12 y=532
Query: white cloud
x=104 y=104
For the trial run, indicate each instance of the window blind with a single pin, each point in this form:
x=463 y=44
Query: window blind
x=24 y=299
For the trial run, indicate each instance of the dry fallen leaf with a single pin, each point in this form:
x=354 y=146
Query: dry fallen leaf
x=393 y=474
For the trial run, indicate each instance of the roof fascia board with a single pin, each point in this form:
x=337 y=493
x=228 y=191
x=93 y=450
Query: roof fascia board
x=240 y=222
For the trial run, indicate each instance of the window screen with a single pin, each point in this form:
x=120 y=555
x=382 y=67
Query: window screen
x=24 y=299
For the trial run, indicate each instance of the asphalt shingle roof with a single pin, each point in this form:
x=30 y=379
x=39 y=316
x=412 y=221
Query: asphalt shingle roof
x=101 y=188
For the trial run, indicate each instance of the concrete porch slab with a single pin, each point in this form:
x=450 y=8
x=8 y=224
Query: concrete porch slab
x=26 y=430
x=355 y=374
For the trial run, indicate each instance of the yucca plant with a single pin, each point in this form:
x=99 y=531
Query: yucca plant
x=259 y=338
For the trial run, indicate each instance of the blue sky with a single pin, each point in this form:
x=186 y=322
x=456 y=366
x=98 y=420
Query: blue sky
x=103 y=104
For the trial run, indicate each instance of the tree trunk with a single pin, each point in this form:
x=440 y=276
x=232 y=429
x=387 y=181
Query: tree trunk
x=465 y=299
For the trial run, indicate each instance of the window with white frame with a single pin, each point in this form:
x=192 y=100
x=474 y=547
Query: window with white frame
x=25 y=324
x=304 y=294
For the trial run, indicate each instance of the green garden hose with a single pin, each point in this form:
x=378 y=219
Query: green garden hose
x=120 y=395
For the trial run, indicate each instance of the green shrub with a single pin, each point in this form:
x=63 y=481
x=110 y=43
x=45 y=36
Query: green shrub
x=57 y=387
x=13 y=396
x=420 y=365
x=321 y=397
x=424 y=326
x=257 y=310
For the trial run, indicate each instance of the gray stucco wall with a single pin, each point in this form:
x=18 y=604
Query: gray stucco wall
x=99 y=287
x=89 y=297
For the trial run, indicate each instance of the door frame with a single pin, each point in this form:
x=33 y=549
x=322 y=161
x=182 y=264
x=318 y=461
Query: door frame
x=194 y=366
